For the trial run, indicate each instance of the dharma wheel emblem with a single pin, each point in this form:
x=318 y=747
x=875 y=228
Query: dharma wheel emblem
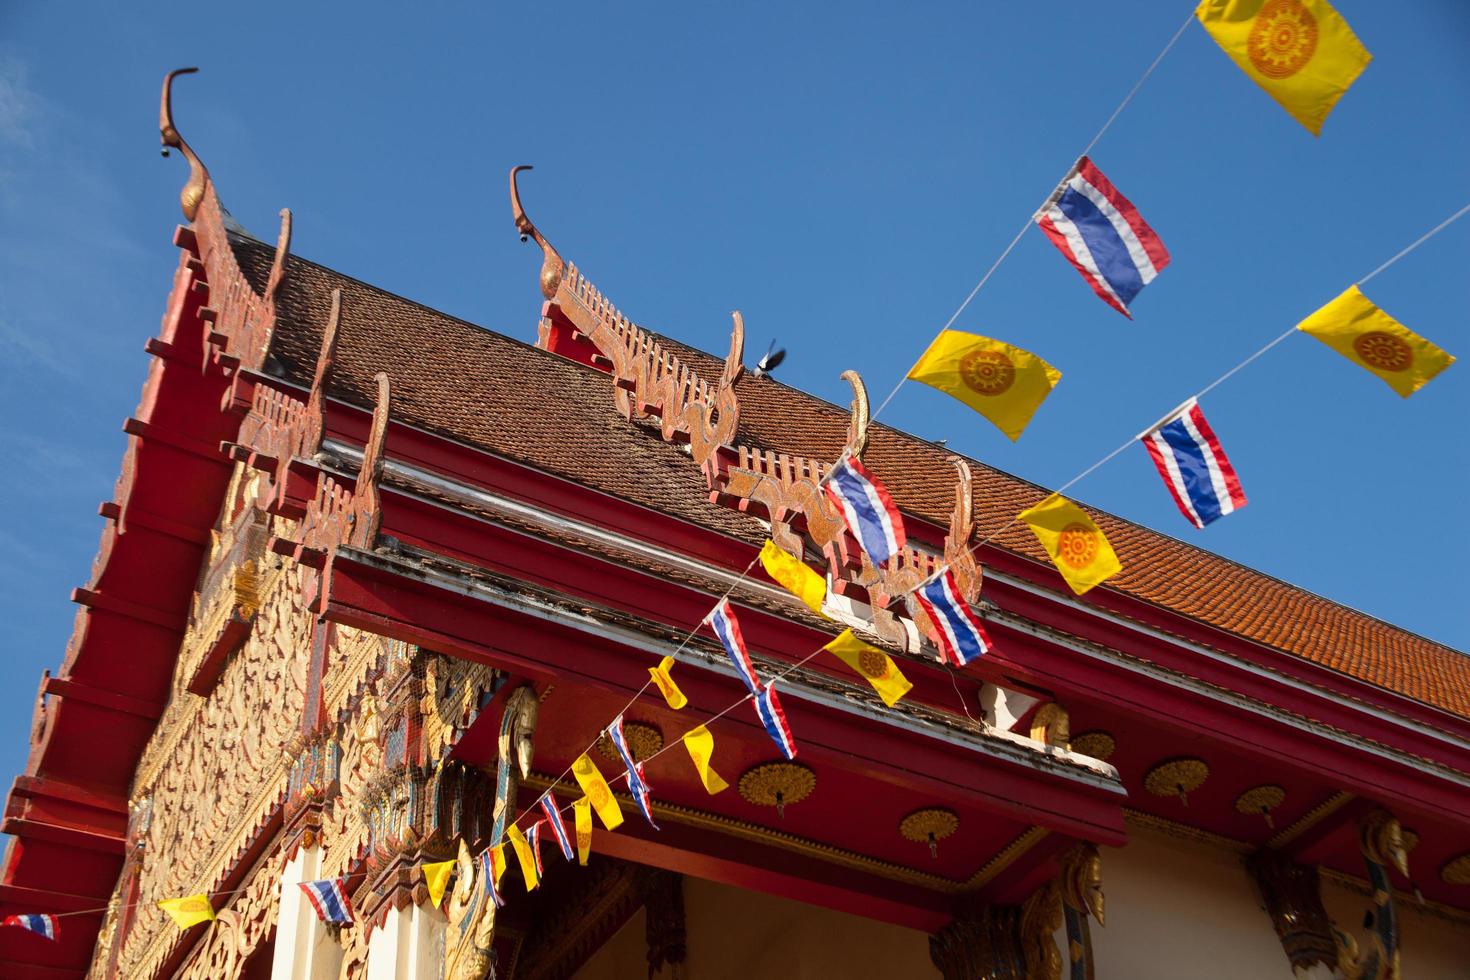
x=1077 y=546
x=987 y=372
x=1282 y=39
x=1383 y=351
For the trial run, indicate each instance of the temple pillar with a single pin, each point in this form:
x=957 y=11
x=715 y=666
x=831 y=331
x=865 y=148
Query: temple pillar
x=409 y=945
x=306 y=948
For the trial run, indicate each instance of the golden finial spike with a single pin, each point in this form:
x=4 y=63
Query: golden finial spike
x=168 y=135
x=857 y=429
x=552 y=265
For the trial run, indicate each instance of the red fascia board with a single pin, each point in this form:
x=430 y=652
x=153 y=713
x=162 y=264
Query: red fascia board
x=102 y=698
x=47 y=900
x=1325 y=706
x=394 y=605
x=1191 y=630
x=1361 y=772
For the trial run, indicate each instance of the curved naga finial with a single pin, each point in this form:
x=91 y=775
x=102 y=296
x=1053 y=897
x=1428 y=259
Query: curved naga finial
x=735 y=360
x=857 y=429
x=1381 y=841
x=552 y=265
x=469 y=943
x=278 y=263
x=168 y=135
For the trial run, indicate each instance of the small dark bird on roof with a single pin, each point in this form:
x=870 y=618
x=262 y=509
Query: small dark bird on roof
x=769 y=360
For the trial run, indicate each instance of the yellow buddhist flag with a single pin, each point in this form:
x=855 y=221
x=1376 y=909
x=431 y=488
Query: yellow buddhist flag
x=701 y=746
x=524 y=856
x=1300 y=51
x=1370 y=338
x=582 y=814
x=1003 y=383
x=794 y=576
x=663 y=679
x=497 y=863
x=188 y=911
x=436 y=876
x=873 y=664
x=1076 y=545
x=589 y=777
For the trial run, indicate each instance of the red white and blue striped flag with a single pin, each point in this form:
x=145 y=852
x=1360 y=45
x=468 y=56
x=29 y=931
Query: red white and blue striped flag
x=553 y=820
x=1194 y=467
x=867 y=508
x=961 y=637
x=1103 y=235
x=39 y=923
x=636 y=783
x=533 y=838
x=727 y=628
x=329 y=898
x=768 y=707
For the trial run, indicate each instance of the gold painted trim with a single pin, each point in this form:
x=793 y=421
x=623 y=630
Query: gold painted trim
x=1310 y=819
x=756 y=833
x=1008 y=856
x=1170 y=828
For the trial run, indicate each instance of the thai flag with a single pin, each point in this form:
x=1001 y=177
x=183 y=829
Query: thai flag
x=769 y=709
x=1194 y=467
x=330 y=900
x=961 y=637
x=42 y=925
x=869 y=511
x=727 y=628
x=636 y=783
x=553 y=820
x=1103 y=235
x=533 y=838
x=487 y=871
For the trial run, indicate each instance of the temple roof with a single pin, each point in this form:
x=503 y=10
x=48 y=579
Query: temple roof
x=459 y=380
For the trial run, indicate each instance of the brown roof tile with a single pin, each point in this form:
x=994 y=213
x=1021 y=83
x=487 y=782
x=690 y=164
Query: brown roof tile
x=459 y=380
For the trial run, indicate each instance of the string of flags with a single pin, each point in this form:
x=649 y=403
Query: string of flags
x=1305 y=56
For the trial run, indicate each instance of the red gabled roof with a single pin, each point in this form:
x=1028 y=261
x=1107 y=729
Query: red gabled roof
x=456 y=379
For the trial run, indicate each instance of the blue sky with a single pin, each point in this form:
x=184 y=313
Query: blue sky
x=842 y=175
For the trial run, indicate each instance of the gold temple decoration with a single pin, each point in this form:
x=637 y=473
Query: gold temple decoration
x=1051 y=725
x=857 y=427
x=1177 y=777
x=777 y=784
x=1456 y=871
x=1097 y=744
x=1411 y=839
x=168 y=135
x=1310 y=819
x=1261 y=800
x=644 y=741
x=929 y=825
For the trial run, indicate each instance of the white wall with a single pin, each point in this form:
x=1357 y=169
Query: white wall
x=1175 y=910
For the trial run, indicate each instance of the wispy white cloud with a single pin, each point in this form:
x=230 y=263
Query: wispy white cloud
x=18 y=104
x=19 y=344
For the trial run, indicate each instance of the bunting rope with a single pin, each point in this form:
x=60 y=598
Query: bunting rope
x=903 y=379
x=626 y=774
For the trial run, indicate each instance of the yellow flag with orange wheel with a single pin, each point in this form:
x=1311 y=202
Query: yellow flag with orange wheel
x=1300 y=51
x=1077 y=546
x=1357 y=329
x=189 y=910
x=582 y=811
x=589 y=777
x=1003 y=383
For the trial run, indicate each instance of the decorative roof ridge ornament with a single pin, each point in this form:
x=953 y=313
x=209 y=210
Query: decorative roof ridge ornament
x=857 y=428
x=367 y=515
x=315 y=428
x=552 y=264
x=278 y=263
x=168 y=134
